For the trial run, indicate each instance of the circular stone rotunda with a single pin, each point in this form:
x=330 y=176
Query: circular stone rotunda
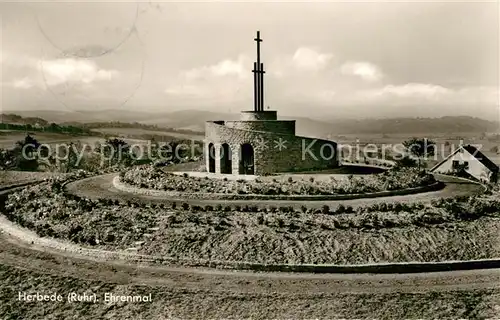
x=260 y=144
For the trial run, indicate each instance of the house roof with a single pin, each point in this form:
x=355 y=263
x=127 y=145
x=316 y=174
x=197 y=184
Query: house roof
x=476 y=154
x=481 y=157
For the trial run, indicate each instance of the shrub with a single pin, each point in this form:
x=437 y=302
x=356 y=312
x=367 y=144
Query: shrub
x=281 y=222
x=340 y=209
x=209 y=208
x=390 y=180
x=218 y=207
x=174 y=205
x=260 y=219
x=398 y=207
x=185 y=175
x=185 y=206
x=303 y=208
x=325 y=209
x=283 y=209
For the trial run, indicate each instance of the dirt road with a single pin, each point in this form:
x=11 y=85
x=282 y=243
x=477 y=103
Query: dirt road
x=102 y=187
x=211 y=293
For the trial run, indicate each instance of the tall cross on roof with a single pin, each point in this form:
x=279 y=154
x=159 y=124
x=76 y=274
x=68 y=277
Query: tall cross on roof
x=258 y=76
x=258 y=40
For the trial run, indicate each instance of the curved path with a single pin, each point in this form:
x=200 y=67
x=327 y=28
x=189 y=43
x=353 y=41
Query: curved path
x=295 y=291
x=102 y=187
x=21 y=248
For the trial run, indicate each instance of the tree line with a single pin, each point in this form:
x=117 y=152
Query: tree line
x=53 y=128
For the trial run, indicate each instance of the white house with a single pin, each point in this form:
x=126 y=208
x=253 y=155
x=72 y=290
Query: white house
x=472 y=160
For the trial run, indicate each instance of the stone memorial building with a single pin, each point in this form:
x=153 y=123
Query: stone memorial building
x=260 y=144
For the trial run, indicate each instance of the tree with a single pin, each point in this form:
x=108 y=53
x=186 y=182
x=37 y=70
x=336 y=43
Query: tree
x=26 y=154
x=420 y=148
x=405 y=162
x=7 y=159
x=116 y=151
x=460 y=170
x=70 y=161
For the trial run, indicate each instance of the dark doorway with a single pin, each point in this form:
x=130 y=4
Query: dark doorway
x=225 y=159
x=246 y=159
x=211 y=158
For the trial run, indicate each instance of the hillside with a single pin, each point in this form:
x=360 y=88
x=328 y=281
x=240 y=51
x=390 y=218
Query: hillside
x=195 y=120
x=11 y=118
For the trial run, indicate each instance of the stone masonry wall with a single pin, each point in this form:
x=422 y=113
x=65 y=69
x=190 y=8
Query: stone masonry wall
x=277 y=126
x=296 y=154
x=259 y=115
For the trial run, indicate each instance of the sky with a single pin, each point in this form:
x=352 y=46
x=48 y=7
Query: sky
x=322 y=59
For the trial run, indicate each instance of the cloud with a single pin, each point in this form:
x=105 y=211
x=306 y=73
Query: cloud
x=365 y=70
x=9 y=59
x=310 y=59
x=233 y=68
x=185 y=90
x=53 y=72
x=414 y=90
x=426 y=94
x=24 y=83
x=218 y=83
x=61 y=71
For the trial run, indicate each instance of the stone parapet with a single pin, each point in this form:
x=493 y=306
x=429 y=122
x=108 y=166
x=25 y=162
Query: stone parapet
x=259 y=115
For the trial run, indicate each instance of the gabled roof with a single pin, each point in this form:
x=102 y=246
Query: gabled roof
x=481 y=157
x=475 y=153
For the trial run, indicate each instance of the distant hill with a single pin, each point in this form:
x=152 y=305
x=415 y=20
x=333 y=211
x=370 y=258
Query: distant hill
x=195 y=120
x=19 y=120
x=88 y=116
x=448 y=124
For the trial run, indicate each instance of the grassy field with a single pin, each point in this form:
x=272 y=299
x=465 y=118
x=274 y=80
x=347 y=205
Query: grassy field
x=8 y=139
x=453 y=139
x=127 y=132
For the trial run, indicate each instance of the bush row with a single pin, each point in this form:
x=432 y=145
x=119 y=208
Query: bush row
x=154 y=178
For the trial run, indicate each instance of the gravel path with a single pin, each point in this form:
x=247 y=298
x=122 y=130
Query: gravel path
x=21 y=248
x=102 y=186
x=211 y=293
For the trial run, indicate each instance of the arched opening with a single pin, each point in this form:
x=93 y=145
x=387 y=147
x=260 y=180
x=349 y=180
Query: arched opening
x=211 y=158
x=225 y=159
x=246 y=159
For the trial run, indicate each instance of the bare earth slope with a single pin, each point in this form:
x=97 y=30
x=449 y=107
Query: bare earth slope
x=188 y=293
